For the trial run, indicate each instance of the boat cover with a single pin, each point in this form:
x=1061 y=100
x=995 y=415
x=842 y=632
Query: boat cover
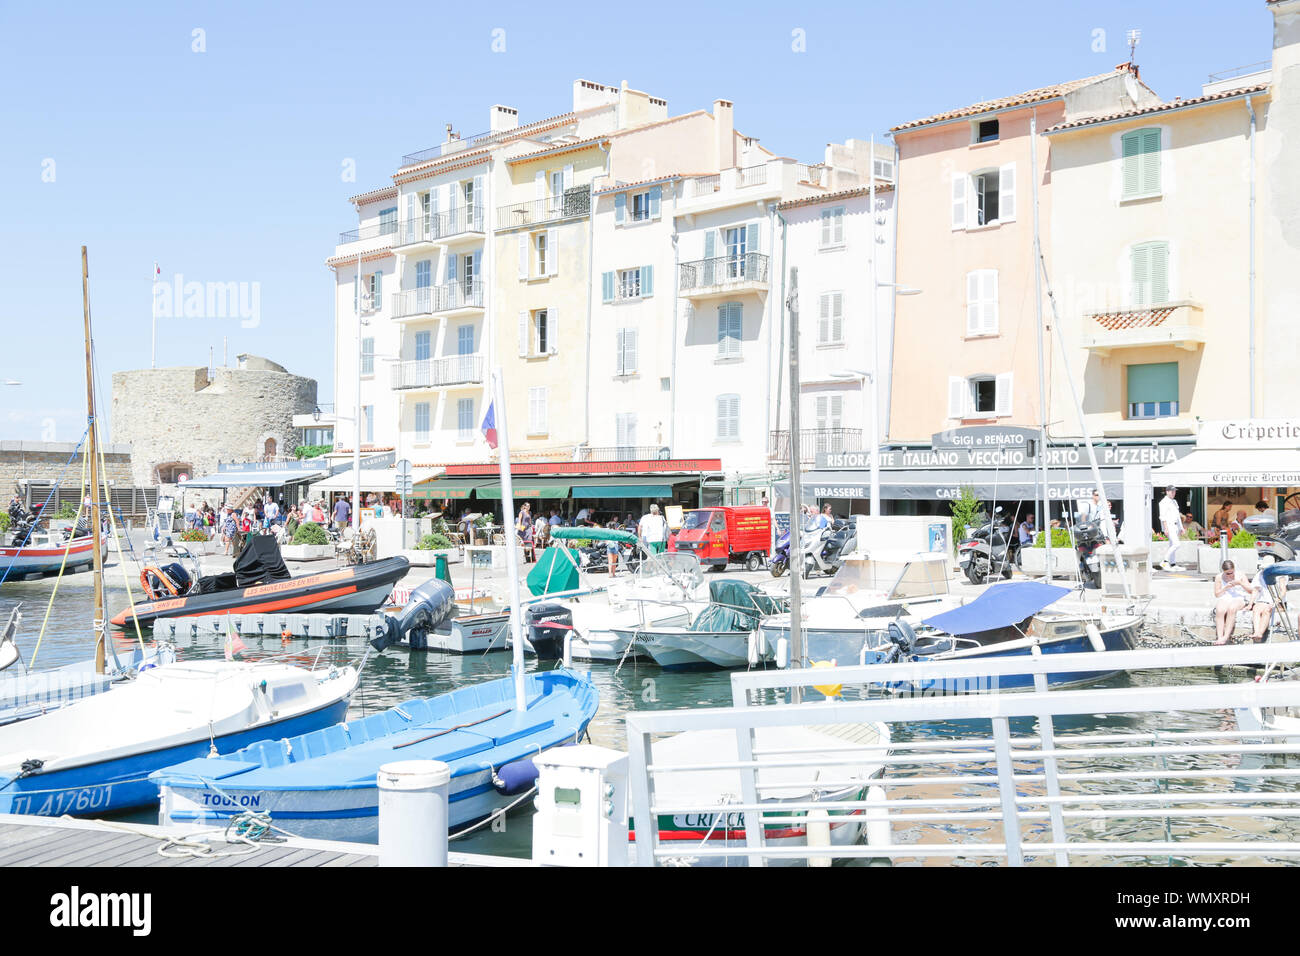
x=735 y=606
x=1279 y=569
x=260 y=562
x=554 y=571
x=1000 y=606
x=593 y=534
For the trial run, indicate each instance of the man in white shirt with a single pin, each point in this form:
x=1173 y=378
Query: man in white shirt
x=1171 y=522
x=653 y=530
x=584 y=517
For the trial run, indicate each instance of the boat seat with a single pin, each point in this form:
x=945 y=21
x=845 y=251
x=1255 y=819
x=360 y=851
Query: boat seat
x=417 y=709
x=374 y=726
x=267 y=753
x=926 y=647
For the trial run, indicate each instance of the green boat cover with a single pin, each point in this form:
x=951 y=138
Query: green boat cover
x=554 y=571
x=593 y=534
x=735 y=606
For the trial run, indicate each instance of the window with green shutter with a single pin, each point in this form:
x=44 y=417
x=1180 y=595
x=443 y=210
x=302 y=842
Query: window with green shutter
x=1150 y=273
x=1141 y=159
x=1152 y=390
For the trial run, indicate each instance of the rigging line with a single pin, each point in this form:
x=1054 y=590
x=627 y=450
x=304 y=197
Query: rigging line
x=85 y=459
x=48 y=498
x=121 y=557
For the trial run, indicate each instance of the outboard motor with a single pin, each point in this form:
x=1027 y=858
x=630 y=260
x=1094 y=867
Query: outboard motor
x=431 y=603
x=547 y=625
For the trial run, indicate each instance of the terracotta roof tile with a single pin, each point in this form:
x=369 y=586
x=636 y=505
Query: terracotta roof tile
x=1157 y=108
x=835 y=196
x=383 y=192
x=1020 y=99
x=373 y=255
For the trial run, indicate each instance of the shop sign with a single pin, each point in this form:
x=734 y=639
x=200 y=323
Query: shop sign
x=1108 y=456
x=984 y=437
x=1243 y=433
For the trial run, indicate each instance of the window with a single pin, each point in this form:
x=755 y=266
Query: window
x=979 y=396
x=368 y=356
x=830 y=325
x=736 y=246
x=625 y=284
x=537 y=333
x=830 y=409
x=637 y=207
x=625 y=429
x=388 y=221
x=371 y=291
x=832 y=227
x=1150 y=273
x=984 y=198
x=640 y=207
x=728 y=418
x=986 y=131
x=368 y=419
x=1152 y=390
x=422 y=422
x=537 y=410
x=540 y=329
x=982 y=302
x=541 y=253
x=422 y=346
x=625 y=348
x=424 y=273
x=665 y=385
x=629 y=284
x=465 y=419
x=730 y=328
x=465 y=340
x=1140 y=151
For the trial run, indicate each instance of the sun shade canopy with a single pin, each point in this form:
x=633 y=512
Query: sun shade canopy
x=1000 y=606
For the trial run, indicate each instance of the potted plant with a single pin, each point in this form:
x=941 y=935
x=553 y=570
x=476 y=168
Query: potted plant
x=197 y=539
x=426 y=551
x=1033 y=560
x=310 y=543
x=1241 y=551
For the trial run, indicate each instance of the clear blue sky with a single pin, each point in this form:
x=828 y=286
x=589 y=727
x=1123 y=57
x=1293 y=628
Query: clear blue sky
x=225 y=165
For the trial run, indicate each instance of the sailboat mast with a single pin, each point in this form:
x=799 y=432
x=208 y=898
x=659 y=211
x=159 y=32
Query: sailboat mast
x=1046 y=524
x=91 y=428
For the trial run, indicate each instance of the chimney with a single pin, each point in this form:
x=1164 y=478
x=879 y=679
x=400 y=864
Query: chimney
x=724 y=131
x=502 y=118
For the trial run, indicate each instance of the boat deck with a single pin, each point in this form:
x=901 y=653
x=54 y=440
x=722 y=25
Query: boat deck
x=61 y=841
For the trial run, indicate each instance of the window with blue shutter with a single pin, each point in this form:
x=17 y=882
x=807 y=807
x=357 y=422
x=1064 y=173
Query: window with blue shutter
x=647 y=281
x=368 y=356
x=422 y=421
x=620 y=208
x=607 y=286
x=728 y=418
x=465 y=419
x=656 y=194
x=388 y=221
x=422 y=351
x=730 y=328
x=423 y=274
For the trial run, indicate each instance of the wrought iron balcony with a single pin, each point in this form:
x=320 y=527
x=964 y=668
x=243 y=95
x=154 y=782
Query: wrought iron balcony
x=723 y=275
x=439 y=372
x=623 y=453
x=574 y=204
x=813 y=442
x=440 y=227
x=430 y=300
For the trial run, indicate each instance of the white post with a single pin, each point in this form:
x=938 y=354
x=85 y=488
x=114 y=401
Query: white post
x=153 y=333
x=413 y=818
x=356 y=445
x=512 y=553
x=872 y=431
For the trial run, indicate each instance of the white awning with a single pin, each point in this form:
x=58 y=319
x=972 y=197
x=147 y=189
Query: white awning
x=256 y=478
x=1218 y=467
x=373 y=479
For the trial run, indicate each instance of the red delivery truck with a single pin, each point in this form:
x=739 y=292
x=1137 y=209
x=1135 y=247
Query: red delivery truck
x=720 y=536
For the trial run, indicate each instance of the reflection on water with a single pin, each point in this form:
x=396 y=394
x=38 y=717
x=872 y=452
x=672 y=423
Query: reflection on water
x=398 y=675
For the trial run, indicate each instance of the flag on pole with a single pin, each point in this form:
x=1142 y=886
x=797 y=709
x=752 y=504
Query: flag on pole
x=490 y=425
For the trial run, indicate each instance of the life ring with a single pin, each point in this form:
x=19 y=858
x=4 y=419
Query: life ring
x=147 y=578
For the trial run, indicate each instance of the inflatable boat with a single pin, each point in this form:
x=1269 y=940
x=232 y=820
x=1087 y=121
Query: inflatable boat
x=259 y=583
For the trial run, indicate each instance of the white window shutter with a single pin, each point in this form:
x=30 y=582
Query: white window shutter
x=959 y=184
x=523 y=255
x=630 y=343
x=523 y=332
x=974 y=321
x=544 y=416
x=956 y=397
x=826 y=227
x=551 y=326
x=448 y=197
x=552 y=252
x=1002 y=397
x=824 y=322
x=836 y=411
x=821 y=411
x=568 y=176
x=618 y=352
x=539 y=184
x=1007 y=193
x=990 y=303
x=837 y=317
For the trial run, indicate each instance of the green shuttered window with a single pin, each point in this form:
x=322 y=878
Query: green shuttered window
x=1141 y=151
x=1150 y=261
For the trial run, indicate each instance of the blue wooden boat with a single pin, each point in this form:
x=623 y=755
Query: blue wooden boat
x=1007 y=620
x=323 y=784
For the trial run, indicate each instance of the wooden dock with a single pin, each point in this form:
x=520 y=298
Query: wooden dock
x=64 y=841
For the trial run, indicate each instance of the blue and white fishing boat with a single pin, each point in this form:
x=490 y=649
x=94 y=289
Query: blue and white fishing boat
x=1007 y=620
x=323 y=784
x=96 y=755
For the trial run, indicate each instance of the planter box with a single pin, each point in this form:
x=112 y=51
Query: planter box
x=428 y=559
x=1185 y=556
x=1064 y=561
x=307 y=552
x=1209 y=559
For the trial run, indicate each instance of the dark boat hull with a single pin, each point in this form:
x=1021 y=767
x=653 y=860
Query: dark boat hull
x=360 y=589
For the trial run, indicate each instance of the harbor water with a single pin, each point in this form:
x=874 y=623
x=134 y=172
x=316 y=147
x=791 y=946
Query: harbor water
x=398 y=674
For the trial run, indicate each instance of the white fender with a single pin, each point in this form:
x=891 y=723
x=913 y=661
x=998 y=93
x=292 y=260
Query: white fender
x=783 y=652
x=1094 y=638
x=878 y=831
x=819 y=835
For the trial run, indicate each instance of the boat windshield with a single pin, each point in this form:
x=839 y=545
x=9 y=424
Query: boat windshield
x=921 y=576
x=697 y=519
x=682 y=569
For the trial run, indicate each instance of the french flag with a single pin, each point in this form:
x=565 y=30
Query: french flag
x=490 y=425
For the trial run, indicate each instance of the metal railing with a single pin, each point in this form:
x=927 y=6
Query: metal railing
x=751 y=175
x=450 y=146
x=705 y=185
x=372 y=230
x=812 y=442
x=1016 y=792
x=443 y=225
x=573 y=204
x=435 y=373
x=622 y=453
x=722 y=271
x=808 y=173
x=429 y=300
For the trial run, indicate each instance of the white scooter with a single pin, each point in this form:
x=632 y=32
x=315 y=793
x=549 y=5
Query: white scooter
x=824 y=551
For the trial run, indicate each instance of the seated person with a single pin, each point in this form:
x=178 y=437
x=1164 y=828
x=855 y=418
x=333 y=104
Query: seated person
x=1232 y=592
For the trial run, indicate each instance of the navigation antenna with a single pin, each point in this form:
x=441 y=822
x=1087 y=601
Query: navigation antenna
x=1134 y=38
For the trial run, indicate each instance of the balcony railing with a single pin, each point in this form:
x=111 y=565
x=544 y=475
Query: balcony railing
x=435 y=373
x=438 y=298
x=444 y=225
x=450 y=146
x=369 y=231
x=573 y=204
x=705 y=185
x=813 y=442
x=751 y=175
x=623 y=453
x=722 y=271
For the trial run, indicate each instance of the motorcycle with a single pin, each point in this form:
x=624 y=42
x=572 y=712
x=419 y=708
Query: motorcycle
x=780 y=560
x=1087 y=539
x=825 y=552
x=990 y=552
x=1274 y=540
